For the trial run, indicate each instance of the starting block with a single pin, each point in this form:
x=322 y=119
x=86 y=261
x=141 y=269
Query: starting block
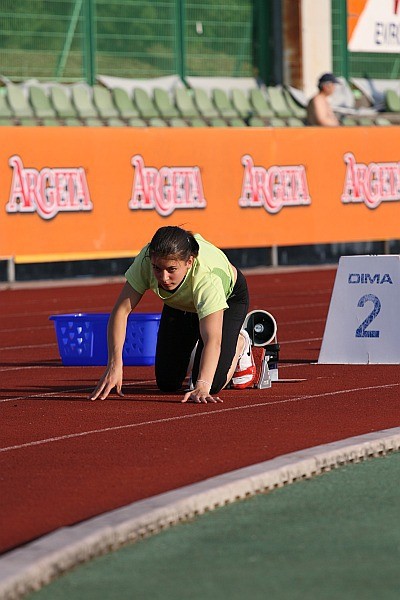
x=261 y=327
x=363 y=325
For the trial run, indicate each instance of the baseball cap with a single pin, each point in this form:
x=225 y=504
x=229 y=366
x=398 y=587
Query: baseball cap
x=327 y=78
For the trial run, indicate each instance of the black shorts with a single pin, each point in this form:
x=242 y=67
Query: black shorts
x=179 y=332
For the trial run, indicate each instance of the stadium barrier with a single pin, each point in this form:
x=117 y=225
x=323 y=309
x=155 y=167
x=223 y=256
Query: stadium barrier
x=95 y=193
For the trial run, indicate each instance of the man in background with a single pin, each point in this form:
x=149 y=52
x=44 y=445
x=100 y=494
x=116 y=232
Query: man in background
x=319 y=110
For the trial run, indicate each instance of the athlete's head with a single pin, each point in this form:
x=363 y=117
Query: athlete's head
x=172 y=251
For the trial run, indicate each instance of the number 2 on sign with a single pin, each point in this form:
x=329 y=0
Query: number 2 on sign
x=362 y=331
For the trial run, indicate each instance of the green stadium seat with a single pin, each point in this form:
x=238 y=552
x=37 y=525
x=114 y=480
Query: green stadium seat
x=82 y=99
x=28 y=122
x=93 y=122
x=19 y=103
x=223 y=104
x=382 y=121
x=6 y=122
x=237 y=122
x=164 y=105
x=178 y=122
x=41 y=104
x=256 y=122
x=72 y=122
x=157 y=122
x=5 y=110
x=241 y=104
x=349 y=122
x=204 y=104
x=104 y=102
x=136 y=122
x=218 y=122
x=115 y=122
x=295 y=122
x=50 y=122
x=297 y=111
x=185 y=103
x=392 y=100
x=366 y=122
x=62 y=103
x=145 y=104
x=260 y=105
x=278 y=102
x=277 y=122
x=197 y=122
x=124 y=104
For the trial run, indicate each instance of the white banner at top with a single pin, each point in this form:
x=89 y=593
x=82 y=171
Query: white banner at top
x=373 y=25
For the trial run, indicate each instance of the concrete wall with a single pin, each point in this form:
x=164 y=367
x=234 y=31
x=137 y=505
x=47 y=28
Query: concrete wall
x=316 y=40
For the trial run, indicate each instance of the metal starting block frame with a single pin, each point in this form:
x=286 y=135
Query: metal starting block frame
x=264 y=380
x=261 y=327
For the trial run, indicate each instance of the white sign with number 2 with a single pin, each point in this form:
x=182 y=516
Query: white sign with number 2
x=363 y=324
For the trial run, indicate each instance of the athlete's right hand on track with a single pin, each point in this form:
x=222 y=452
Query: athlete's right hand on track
x=111 y=378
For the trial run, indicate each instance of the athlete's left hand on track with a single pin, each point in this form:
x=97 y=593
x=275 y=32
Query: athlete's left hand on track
x=200 y=397
x=111 y=378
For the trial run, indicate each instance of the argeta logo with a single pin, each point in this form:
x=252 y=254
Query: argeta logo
x=48 y=191
x=165 y=189
x=372 y=184
x=273 y=188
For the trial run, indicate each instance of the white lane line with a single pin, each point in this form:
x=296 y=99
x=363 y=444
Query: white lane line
x=44 y=395
x=54 y=344
x=55 y=311
x=28 y=346
x=304 y=321
x=316 y=339
x=24 y=367
x=59 y=365
x=28 y=328
x=192 y=416
x=60 y=311
x=67 y=393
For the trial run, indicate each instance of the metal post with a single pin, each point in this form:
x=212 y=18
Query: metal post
x=180 y=39
x=11 y=270
x=90 y=42
x=274 y=256
x=262 y=44
x=69 y=37
x=344 y=54
x=278 y=41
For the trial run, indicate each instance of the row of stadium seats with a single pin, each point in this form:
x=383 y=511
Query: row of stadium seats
x=97 y=106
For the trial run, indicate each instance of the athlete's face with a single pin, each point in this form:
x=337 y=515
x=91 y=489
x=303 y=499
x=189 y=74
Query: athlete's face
x=170 y=272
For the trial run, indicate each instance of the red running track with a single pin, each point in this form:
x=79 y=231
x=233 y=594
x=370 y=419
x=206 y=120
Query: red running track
x=64 y=459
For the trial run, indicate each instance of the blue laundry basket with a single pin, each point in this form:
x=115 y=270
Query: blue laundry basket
x=82 y=338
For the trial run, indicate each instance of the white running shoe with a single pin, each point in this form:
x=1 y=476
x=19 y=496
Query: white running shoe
x=245 y=373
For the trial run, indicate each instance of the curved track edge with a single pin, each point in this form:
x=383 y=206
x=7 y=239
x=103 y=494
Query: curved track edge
x=30 y=567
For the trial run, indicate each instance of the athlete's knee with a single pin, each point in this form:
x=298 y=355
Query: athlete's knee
x=167 y=385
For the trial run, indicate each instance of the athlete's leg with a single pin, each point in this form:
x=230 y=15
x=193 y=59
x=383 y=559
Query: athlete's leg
x=177 y=336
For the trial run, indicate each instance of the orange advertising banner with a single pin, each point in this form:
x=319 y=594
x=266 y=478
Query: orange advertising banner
x=93 y=192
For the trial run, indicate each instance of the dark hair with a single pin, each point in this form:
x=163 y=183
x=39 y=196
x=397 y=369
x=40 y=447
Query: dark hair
x=174 y=242
x=326 y=78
